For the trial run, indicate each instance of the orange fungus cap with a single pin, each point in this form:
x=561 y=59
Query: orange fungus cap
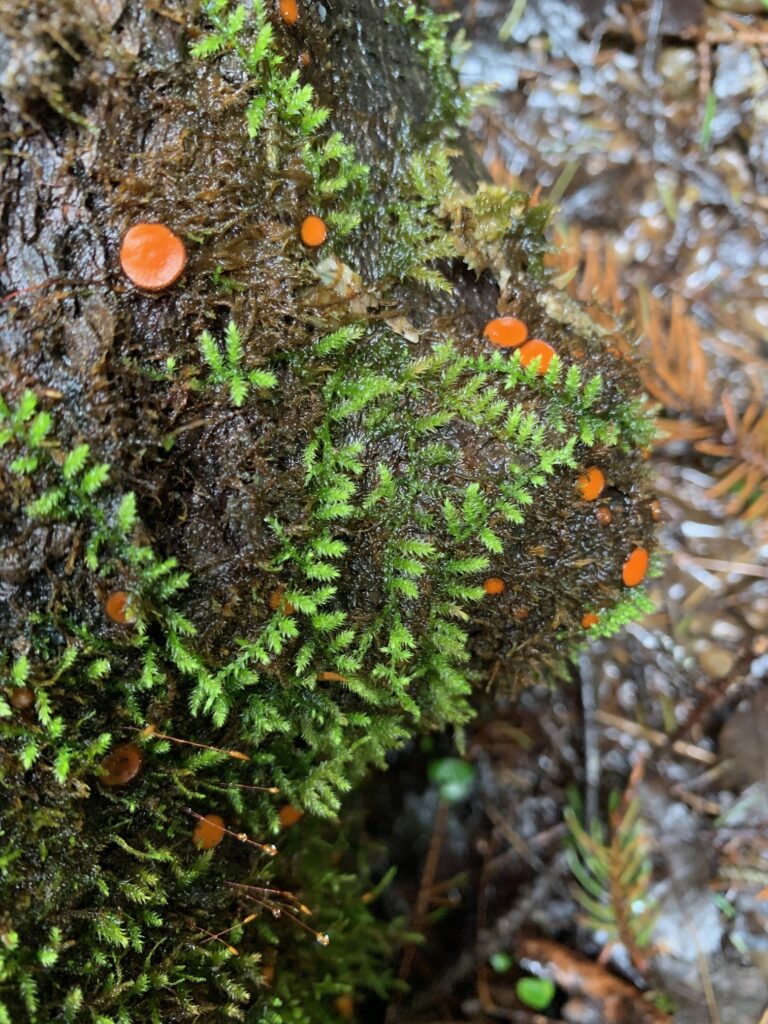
x=209 y=832
x=152 y=256
x=22 y=698
x=590 y=619
x=313 y=231
x=537 y=349
x=592 y=483
x=121 y=765
x=118 y=608
x=494 y=585
x=289 y=11
x=635 y=567
x=506 y=332
x=289 y=815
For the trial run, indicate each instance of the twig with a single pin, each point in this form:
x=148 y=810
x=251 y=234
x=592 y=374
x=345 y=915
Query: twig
x=426 y=885
x=658 y=739
x=591 y=739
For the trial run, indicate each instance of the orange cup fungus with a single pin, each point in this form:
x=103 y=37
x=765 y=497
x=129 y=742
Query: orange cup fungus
x=289 y=815
x=604 y=515
x=121 y=765
x=344 y=1006
x=537 y=349
x=313 y=231
x=22 y=698
x=505 y=332
x=289 y=11
x=589 y=619
x=209 y=832
x=592 y=483
x=494 y=585
x=276 y=600
x=635 y=567
x=119 y=608
x=152 y=256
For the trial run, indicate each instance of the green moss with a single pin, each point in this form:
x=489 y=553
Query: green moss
x=330 y=430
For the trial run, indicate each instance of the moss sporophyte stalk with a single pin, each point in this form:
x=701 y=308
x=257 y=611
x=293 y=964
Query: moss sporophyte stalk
x=278 y=512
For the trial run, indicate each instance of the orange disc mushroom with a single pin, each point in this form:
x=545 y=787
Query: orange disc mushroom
x=313 y=231
x=209 y=832
x=276 y=600
x=22 y=698
x=592 y=483
x=494 y=585
x=119 y=608
x=505 y=332
x=635 y=567
x=121 y=765
x=537 y=349
x=289 y=815
x=604 y=515
x=589 y=619
x=152 y=256
x=289 y=11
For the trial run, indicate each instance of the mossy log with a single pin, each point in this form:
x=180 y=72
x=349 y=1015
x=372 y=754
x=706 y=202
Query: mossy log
x=286 y=510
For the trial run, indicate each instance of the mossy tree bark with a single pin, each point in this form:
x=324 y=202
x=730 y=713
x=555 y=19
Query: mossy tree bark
x=300 y=468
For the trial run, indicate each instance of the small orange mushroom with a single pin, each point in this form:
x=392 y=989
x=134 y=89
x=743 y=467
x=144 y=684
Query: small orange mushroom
x=289 y=11
x=276 y=600
x=119 y=608
x=289 y=815
x=344 y=1006
x=505 y=332
x=209 y=832
x=121 y=765
x=22 y=698
x=313 y=231
x=494 y=585
x=331 y=677
x=635 y=567
x=592 y=483
x=604 y=515
x=589 y=619
x=152 y=256
x=537 y=349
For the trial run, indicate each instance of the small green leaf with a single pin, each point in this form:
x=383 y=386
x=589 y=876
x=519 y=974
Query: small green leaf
x=453 y=777
x=535 y=993
x=500 y=962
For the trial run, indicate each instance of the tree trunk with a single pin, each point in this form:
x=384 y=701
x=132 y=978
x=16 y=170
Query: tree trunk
x=288 y=506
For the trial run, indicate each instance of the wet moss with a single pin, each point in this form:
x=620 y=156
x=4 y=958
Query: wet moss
x=329 y=426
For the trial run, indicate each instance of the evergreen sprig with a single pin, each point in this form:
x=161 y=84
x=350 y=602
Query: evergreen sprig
x=226 y=366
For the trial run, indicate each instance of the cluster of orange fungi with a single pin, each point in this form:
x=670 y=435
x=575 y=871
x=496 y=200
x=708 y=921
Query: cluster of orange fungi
x=509 y=332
